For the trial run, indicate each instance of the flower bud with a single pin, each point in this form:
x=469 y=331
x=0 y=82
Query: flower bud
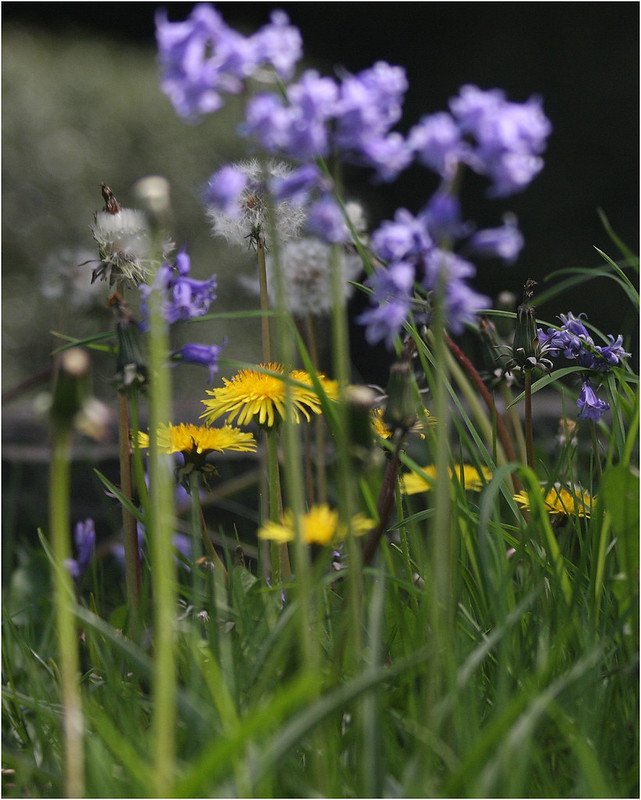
x=400 y=411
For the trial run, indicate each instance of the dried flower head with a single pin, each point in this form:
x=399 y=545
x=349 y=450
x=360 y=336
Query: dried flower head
x=124 y=243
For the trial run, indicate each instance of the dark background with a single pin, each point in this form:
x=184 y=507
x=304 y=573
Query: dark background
x=582 y=58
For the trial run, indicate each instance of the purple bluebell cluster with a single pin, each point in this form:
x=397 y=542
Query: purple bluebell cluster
x=573 y=341
x=84 y=540
x=184 y=299
x=203 y=59
x=354 y=118
x=418 y=257
x=493 y=136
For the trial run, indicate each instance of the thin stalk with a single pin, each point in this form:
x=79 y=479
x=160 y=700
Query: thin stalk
x=385 y=501
x=266 y=347
x=196 y=531
x=59 y=520
x=264 y=300
x=471 y=370
x=130 y=532
x=319 y=422
x=161 y=529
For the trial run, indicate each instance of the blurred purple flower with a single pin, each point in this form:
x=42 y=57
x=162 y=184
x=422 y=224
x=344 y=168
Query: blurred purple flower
x=392 y=298
x=279 y=44
x=507 y=138
x=201 y=57
x=84 y=540
x=224 y=189
x=505 y=242
x=404 y=237
x=326 y=221
x=299 y=184
x=438 y=143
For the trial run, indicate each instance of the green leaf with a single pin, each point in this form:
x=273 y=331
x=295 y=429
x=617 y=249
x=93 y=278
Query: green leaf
x=619 y=492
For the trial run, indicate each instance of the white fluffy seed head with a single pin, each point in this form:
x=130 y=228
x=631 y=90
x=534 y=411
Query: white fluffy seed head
x=253 y=219
x=123 y=245
x=307 y=276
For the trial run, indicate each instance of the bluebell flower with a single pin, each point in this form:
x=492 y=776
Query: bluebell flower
x=84 y=539
x=506 y=138
x=438 y=143
x=590 y=407
x=224 y=189
x=505 y=242
x=392 y=298
x=370 y=103
x=299 y=185
x=184 y=298
x=404 y=237
x=326 y=221
x=279 y=44
x=202 y=58
x=462 y=305
x=442 y=217
x=203 y=354
x=574 y=342
x=389 y=155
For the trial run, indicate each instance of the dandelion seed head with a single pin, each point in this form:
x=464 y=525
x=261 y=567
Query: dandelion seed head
x=250 y=219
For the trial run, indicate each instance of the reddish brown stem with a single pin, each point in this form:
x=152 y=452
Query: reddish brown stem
x=489 y=402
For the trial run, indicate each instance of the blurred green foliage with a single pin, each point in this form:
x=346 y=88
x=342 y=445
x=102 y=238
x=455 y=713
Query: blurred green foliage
x=78 y=111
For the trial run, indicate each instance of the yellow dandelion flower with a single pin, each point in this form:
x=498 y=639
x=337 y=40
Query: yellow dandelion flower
x=329 y=387
x=473 y=481
x=320 y=525
x=561 y=501
x=253 y=393
x=199 y=440
x=382 y=429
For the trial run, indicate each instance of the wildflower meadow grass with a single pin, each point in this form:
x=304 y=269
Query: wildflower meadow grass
x=438 y=596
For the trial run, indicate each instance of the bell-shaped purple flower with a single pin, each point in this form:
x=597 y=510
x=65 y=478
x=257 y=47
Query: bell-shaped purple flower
x=204 y=355
x=590 y=407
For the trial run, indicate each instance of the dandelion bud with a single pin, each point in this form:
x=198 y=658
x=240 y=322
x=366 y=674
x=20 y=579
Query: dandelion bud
x=525 y=336
x=71 y=388
x=400 y=411
x=152 y=194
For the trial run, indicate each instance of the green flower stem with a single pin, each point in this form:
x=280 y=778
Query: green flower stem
x=132 y=555
x=138 y=465
x=264 y=301
x=199 y=526
x=529 y=430
x=160 y=532
x=281 y=570
x=60 y=525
